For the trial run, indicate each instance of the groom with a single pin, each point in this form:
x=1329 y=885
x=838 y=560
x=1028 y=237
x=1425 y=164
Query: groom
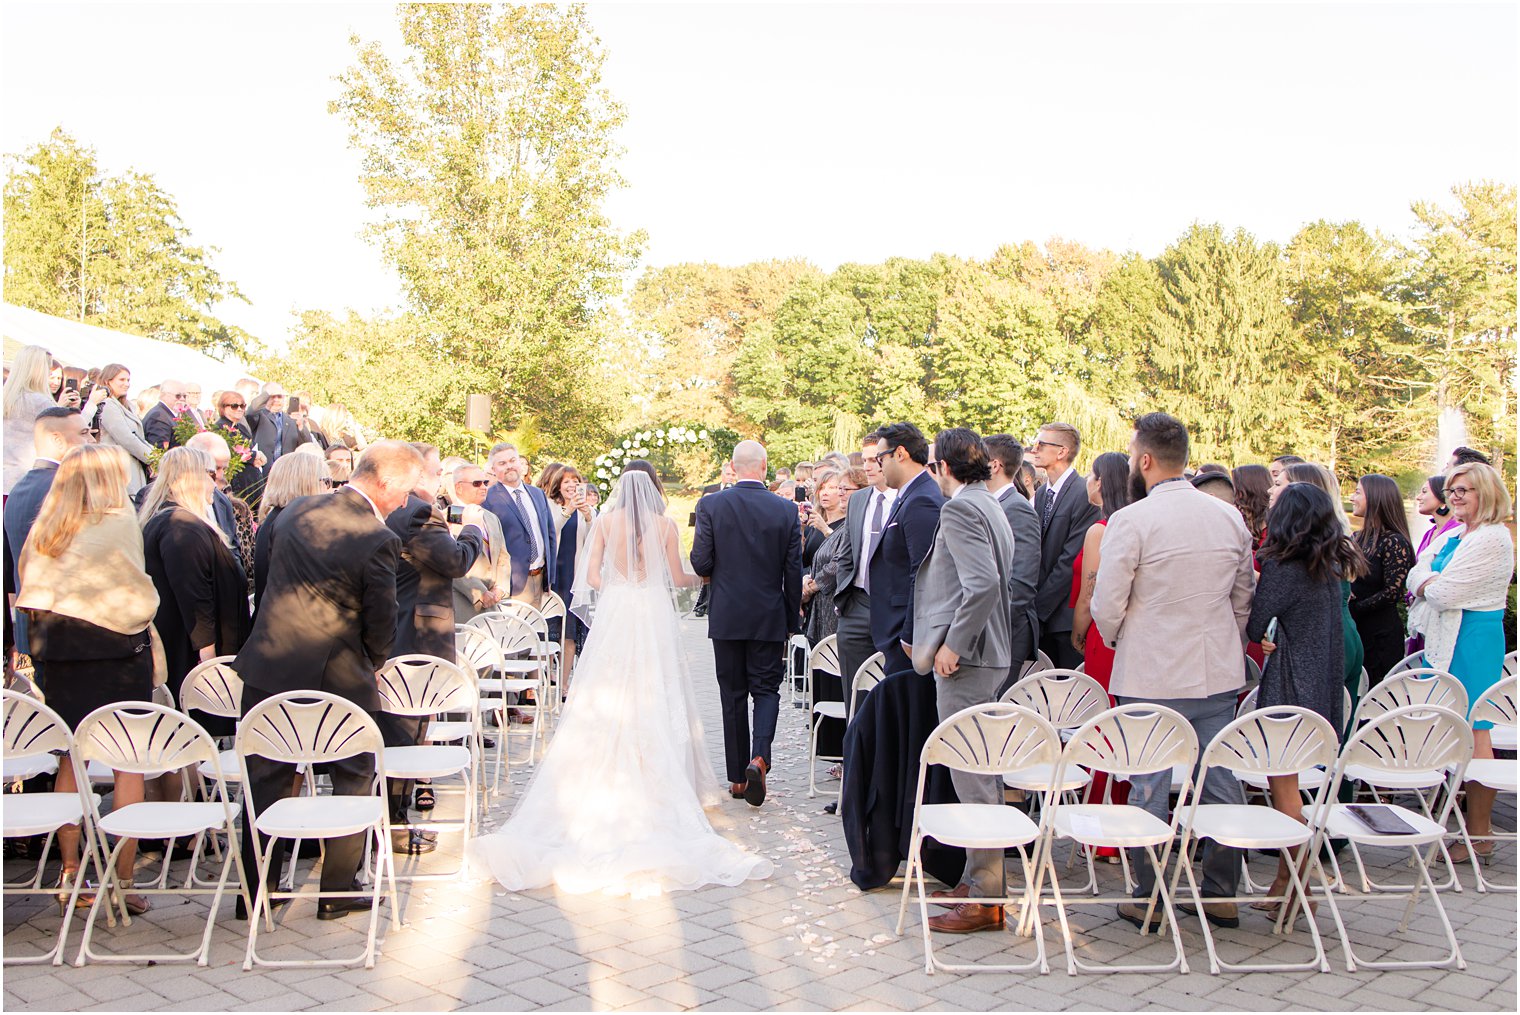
x=749 y=543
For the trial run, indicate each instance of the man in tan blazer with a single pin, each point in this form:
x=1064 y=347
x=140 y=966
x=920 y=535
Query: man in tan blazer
x=1173 y=594
x=490 y=579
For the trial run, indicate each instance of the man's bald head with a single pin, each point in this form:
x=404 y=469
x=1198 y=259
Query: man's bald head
x=749 y=460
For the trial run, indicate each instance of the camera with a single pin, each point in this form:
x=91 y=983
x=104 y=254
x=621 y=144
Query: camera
x=456 y=514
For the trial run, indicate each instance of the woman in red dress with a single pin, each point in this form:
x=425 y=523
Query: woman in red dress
x=1108 y=489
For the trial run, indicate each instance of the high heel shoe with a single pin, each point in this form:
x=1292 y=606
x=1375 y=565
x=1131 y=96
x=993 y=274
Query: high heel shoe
x=65 y=888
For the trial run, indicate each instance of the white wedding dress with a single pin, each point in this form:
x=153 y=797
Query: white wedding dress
x=616 y=805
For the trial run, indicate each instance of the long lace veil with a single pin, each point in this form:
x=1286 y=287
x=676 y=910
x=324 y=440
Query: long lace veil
x=632 y=543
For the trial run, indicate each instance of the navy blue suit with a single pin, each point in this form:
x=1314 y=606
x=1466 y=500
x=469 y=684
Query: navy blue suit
x=749 y=542
x=514 y=528
x=905 y=541
x=21 y=509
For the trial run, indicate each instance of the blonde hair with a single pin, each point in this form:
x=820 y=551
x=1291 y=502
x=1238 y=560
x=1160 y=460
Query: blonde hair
x=1322 y=477
x=184 y=477
x=29 y=376
x=1073 y=438
x=293 y=476
x=1492 y=498
x=91 y=480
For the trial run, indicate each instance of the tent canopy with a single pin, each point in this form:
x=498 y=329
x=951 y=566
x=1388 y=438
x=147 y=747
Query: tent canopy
x=84 y=345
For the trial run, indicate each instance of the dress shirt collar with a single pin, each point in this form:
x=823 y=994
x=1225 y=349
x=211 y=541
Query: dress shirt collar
x=758 y=482
x=1058 y=484
x=367 y=500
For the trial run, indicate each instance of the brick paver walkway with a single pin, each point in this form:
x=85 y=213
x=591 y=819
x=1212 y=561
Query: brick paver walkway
x=804 y=939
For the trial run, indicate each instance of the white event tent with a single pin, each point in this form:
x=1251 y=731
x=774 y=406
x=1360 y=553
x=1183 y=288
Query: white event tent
x=84 y=345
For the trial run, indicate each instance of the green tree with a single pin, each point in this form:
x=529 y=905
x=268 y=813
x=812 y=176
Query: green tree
x=488 y=153
x=109 y=250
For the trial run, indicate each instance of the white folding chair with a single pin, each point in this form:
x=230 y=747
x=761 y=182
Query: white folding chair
x=479 y=654
x=1410 y=738
x=547 y=651
x=1038 y=664
x=825 y=657
x=32 y=732
x=871 y=672
x=146 y=739
x=1510 y=664
x=987 y=739
x=1310 y=780
x=552 y=607
x=421 y=685
x=1264 y=742
x=1413 y=661
x=1504 y=737
x=311 y=728
x=1132 y=739
x=798 y=680
x=214 y=688
x=1496 y=705
x=521 y=669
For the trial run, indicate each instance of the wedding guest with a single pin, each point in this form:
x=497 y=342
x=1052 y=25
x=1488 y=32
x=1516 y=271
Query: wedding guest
x=526 y=524
x=119 y=424
x=1466 y=456
x=904 y=456
x=823 y=511
x=1033 y=479
x=193 y=396
x=1305 y=559
x=1431 y=502
x=1461 y=584
x=865 y=519
x=146 y=399
x=339 y=472
x=290 y=478
x=276 y=431
x=1108 y=488
x=489 y=580
x=1065 y=517
x=1351 y=638
x=158 y=423
x=202 y=590
x=821 y=586
x=1005 y=459
x=90 y=606
x=566 y=491
x=1377 y=592
x=1280 y=463
x=344 y=455
x=1175 y=582
x=302 y=411
x=232 y=515
x=25 y=396
x=1215 y=484
x=1253 y=489
x=248 y=484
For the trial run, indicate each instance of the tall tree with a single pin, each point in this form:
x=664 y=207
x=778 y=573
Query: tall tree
x=109 y=250
x=488 y=154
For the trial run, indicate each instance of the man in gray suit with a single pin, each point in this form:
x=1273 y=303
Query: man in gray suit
x=1005 y=457
x=865 y=518
x=961 y=633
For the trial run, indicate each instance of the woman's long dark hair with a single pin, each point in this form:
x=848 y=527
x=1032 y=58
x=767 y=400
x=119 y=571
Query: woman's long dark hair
x=1112 y=470
x=639 y=465
x=1303 y=526
x=1253 y=492
x=1382 y=511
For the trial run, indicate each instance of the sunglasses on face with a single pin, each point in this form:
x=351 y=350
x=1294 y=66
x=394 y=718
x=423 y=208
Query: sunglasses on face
x=933 y=468
x=477 y=483
x=234 y=405
x=327 y=484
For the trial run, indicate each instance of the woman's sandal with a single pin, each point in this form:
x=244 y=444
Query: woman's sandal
x=424 y=798
x=1459 y=852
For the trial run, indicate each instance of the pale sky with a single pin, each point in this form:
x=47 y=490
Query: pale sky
x=835 y=133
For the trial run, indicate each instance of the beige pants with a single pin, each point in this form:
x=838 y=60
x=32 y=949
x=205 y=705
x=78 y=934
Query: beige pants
x=532 y=591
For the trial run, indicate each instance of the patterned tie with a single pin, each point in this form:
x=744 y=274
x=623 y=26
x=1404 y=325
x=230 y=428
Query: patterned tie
x=1050 y=507
x=520 y=497
x=876 y=513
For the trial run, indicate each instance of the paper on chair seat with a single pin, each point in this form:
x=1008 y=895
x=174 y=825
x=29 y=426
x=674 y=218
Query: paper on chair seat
x=1086 y=825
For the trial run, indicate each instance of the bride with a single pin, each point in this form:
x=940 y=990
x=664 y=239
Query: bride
x=617 y=802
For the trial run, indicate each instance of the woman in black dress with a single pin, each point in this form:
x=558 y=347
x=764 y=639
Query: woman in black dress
x=90 y=609
x=202 y=591
x=291 y=477
x=1375 y=596
x=1304 y=558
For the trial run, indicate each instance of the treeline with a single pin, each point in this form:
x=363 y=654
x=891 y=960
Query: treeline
x=1343 y=346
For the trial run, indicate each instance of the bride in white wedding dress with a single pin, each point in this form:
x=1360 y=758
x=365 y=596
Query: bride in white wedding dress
x=617 y=803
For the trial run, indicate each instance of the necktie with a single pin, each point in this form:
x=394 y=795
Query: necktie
x=876 y=518
x=520 y=496
x=279 y=436
x=1050 y=507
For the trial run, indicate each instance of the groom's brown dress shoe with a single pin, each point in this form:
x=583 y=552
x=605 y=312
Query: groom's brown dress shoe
x=736 y=790
x=968 y=918
x=754 y=788
x=956 y=893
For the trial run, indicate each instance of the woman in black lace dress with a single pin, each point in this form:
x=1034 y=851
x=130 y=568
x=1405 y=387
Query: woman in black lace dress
x=1384 y=541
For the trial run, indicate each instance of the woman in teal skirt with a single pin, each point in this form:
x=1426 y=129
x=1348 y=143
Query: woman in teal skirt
x=1460 y=584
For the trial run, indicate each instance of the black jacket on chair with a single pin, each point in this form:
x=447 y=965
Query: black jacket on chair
x=431 y=558
x=327 y=615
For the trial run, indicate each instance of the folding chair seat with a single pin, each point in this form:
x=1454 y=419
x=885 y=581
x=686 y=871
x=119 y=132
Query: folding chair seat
x=518 y=670
x=824 y=657
x=798 y=680
x=1496 y=705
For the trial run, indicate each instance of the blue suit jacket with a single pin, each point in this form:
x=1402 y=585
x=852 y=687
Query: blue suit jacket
x=21 y=509
x=904 y=542
x=749 y=542
x=515 y=531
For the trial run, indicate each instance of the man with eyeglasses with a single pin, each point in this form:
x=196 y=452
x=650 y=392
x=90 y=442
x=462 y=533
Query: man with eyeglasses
x=490 y=579
x=865 y=519
x=276 y=432
x=158 y=424
x=903 y=454
x=1065 y=516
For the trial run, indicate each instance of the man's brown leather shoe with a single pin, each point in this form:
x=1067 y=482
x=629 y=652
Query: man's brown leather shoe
x=958 y=892
x=754 y=787
x=968 y=918
x=736 y=790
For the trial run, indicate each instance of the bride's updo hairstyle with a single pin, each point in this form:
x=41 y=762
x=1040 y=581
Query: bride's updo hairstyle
x=639 y=465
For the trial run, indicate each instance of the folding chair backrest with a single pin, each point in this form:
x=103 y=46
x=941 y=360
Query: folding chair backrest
x=1510 y=664
x=798 y=651
x=1137 y=738
x=524 y=611
x=307 y=726
x=1248 y=703
x=476 y=649
x=141 y=737
x=424 y=685
x=1412 y=738
x=872 y=672
x=1253 y=673
x=514 y=636
x=213 y=687
x=1413 y=661
x=825 y=656
x=992 y=738
x=1497 y=704
x=553 y=607
x=33 y=728
x=1038 y=664
x=1064 y=697
x=1420 y=686
x=1274 y=741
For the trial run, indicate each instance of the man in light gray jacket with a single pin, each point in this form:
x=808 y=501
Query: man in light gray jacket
x=1005 y=456
x=961 y=632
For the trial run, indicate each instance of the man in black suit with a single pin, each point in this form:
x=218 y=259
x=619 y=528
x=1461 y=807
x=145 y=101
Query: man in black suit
x=725 y=480
x=431 y=558
x=1065 y=516
x=749 y=542
x=1006 y=459
x=903 y=454
x=865 y=519
x=58 y=431
x=326 y=622
x=275 y=431
x=158 y=424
